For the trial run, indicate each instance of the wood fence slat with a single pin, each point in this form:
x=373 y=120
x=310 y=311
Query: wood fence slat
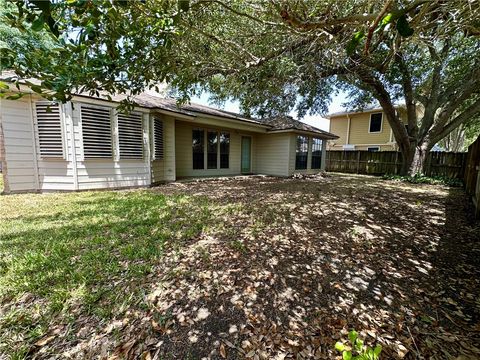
x=446 y=164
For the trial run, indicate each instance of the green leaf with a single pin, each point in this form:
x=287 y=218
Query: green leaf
x=3 y=85
x=184 y=5
x=353 y=43
x=403 y=27
x=15 y=97
x=377 y=350
x=387 y=19
x=36 y=88
x=358 y=345
x=347 y=355
x=353 y=335
x=37 y=24
x=339 y=346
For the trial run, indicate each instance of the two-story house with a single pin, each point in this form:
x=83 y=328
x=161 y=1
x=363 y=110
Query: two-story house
x=366 y=130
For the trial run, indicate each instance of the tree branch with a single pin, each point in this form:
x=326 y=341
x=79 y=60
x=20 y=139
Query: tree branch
x=408 y=94
x=375 y=86
x=471 y=111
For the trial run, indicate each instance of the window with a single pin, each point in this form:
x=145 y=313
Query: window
x=217 y=142
x=157 y=138
x=96 y=132
x=375 y=122
x=212 y=149
x=224 y=150
x=316 y=153
x=301 y=153
x=130 y=136
x=49 y=129
x=373 y=148
x=198 y=149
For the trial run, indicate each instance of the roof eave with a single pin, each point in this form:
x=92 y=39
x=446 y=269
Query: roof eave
x=323 y=135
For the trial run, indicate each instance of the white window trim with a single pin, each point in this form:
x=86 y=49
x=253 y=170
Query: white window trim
x=370 y=123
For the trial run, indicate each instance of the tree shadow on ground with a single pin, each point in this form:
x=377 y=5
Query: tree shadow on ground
x=283 y=268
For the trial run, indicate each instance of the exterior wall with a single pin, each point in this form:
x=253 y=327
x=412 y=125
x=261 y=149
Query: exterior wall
x=273 y=154
x=339 y=127
x=164 y=170
x=358 y=134
x=17 y=123
x=109 y=172
x=184 y=156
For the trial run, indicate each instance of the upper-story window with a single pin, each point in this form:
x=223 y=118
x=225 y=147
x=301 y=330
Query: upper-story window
x=376 y=120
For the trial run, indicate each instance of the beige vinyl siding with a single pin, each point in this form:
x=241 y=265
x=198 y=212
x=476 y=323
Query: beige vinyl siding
x=183 y=150
x=359 y=126
x=272 y=154
x=16 y=118
x=339 y=127
x=109 y=172
x=164 y=169
x=359 y=134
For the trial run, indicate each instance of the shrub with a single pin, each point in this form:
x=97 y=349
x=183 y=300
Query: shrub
x=422 y=179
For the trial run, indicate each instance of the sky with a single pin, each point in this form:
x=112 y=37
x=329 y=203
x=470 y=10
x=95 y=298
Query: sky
x=316 y=120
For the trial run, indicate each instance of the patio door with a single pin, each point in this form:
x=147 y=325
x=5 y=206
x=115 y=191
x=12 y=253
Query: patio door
x=246 y=154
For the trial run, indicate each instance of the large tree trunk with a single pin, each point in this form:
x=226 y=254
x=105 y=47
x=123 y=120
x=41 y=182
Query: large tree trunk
x=415 y=160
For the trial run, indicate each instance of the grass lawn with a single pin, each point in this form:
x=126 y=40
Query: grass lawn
x=273 y=268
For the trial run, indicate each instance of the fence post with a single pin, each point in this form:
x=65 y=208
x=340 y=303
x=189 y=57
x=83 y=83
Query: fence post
x=396 y=163
x=358 y=161
x=476 y=195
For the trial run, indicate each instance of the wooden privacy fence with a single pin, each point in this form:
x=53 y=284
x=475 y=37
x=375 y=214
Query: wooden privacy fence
x=472 y=174
x=446 y=164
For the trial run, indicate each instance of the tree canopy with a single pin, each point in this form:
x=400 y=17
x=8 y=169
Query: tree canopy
x=273 y=56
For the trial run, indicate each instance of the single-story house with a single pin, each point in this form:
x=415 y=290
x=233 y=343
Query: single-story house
x=87 y=144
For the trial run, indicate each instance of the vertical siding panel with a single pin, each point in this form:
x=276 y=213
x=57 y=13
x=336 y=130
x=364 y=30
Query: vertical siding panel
x=18 y=135
x=272 y=154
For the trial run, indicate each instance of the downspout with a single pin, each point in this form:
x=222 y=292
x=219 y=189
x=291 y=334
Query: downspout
x=347 y=140
x=69 y=118
x=34 y=144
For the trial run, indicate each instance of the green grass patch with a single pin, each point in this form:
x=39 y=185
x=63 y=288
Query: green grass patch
x=85 y=252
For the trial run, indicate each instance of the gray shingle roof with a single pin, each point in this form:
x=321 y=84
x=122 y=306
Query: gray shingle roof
x=285 y=122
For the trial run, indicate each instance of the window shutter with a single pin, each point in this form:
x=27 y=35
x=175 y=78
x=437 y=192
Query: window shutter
x=158 y=138
x=130 y=136
x=96 y=132
x=49 y=128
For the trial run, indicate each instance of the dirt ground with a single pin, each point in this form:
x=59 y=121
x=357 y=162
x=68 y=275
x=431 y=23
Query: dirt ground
x=288 y=266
